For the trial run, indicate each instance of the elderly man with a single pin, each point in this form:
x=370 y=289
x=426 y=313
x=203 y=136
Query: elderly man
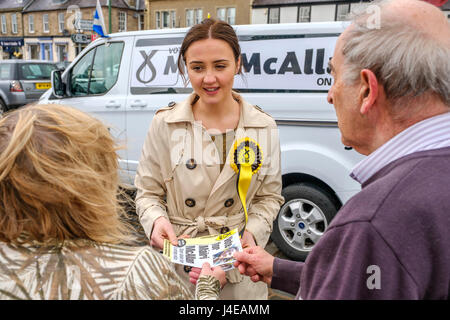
x=391 y=93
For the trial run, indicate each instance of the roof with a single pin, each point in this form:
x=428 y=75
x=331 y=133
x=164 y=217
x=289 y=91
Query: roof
x=13 y=5
x=268 y=3
x=265 y=3
x=46 y=5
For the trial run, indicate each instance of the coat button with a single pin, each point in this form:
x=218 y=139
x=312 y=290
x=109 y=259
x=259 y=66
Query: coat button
x=190 y=202
x=191 y=164
x=224 y=230
x=229 y=203
x=187 y=269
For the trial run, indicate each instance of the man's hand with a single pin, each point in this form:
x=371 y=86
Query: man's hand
x=216 y=272
x=247 y=240
x=162 y=229
x=256 y=263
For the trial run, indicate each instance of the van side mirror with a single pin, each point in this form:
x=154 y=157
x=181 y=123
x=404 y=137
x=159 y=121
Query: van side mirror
x=58 y=86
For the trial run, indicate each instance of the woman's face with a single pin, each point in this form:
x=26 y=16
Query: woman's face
x=211 y=68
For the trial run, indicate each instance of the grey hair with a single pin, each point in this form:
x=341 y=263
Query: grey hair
x=407 y=61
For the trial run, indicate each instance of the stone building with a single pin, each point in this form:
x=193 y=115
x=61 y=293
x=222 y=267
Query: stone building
x=288 y=11
x=162 y=14
x=45 y=27
x=11 y=28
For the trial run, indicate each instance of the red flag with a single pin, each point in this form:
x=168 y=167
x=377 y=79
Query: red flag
x=437 y=3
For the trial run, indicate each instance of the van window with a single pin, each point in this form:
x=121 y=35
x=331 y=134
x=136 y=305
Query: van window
x=97 y=71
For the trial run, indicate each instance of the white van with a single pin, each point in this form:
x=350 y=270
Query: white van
x=125 y=78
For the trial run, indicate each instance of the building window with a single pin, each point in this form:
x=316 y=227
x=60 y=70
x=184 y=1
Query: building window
x=198 y=16
x=157 y=20
x=122 y=21
x=304 y=14
x=189 y=17
x=227 y=14
x=45 y=23
x=231 y=15
x=61 y=22
x=141 y=22
x=14 y=23
x=274 y=15
x=4 y=30
x=61 y=52
x=222 y=14
x=193 y=16
x=165 y=19
x=31 y=23
x=33 y=51
x=342 y=11
x=173 y=19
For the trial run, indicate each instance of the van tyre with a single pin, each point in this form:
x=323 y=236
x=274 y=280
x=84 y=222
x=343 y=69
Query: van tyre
x=302 y=220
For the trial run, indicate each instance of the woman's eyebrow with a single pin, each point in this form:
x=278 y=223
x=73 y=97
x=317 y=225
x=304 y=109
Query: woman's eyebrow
x=216 y=61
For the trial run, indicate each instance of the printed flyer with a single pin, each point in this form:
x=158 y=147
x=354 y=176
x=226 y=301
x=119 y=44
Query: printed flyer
x=217 y=250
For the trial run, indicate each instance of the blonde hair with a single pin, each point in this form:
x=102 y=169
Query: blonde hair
x=58 y=177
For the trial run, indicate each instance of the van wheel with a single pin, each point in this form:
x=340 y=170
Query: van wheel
x=302 y=220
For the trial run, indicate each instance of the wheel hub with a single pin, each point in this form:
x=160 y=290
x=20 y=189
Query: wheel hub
x=301 y=224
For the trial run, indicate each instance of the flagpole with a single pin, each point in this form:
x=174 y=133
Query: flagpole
x=109 y=15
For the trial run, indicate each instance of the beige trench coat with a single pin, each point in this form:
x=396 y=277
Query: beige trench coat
x=179 y=177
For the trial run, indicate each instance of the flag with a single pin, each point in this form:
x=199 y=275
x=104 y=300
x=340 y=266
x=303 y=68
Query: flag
x=99 y=22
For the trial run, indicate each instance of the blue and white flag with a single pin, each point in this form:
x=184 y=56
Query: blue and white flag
x=99 y=22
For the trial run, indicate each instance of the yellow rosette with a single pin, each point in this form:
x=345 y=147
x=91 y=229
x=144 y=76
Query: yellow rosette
x=246 y=161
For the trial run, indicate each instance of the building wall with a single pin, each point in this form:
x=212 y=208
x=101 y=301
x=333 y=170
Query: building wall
x=243 y=9
x=9 y=33
x=55 y=38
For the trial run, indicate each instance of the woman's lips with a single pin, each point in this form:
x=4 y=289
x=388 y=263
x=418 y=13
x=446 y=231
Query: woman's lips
x=211 y=91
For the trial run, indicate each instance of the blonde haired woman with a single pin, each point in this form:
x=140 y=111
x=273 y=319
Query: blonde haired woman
x=60 y=218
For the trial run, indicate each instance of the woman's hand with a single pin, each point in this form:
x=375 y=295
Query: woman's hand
x=247 y=240
x=216 y=272
x=162 y=229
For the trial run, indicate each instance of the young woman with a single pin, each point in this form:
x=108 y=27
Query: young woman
x=187 y=176
x=60 y=224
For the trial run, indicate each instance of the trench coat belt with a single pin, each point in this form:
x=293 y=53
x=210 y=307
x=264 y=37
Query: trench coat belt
x=212 y=224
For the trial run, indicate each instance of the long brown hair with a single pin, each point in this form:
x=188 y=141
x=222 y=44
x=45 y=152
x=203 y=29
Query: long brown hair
x=58 y=177
x=209 y=28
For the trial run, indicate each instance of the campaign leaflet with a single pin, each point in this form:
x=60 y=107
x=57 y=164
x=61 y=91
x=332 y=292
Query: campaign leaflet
x=217 y=250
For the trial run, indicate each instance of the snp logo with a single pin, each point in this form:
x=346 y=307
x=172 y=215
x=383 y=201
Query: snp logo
x=374 y=280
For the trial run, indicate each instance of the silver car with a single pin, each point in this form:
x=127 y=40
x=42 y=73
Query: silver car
x=23 y=82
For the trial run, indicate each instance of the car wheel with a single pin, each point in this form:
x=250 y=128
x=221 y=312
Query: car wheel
x=302 y=220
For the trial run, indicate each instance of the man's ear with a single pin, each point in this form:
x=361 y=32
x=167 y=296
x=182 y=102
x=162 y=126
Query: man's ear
x=369 y=90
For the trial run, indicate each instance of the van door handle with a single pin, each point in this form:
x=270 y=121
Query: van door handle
x=138 y=104
x=112 y=105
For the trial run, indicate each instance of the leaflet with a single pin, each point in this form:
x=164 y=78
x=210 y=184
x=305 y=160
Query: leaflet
x=217 y=250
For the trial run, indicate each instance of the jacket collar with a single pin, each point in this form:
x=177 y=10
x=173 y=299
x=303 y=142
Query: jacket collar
x=250 y=117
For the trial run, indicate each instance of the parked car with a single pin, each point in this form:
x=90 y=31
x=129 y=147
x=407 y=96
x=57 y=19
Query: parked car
x=125 y=78
x=23 y=81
